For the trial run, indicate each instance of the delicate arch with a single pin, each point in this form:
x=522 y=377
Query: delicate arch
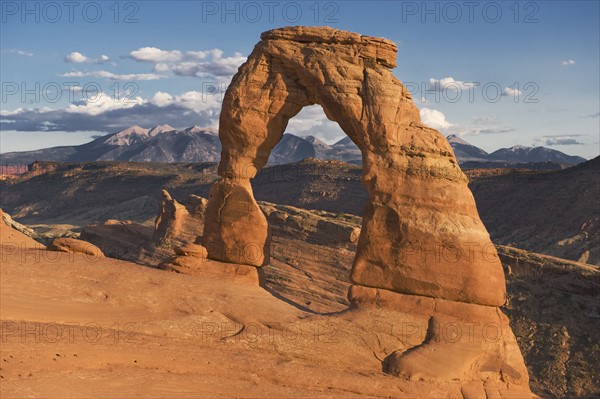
x=422 y=247
x=410 y=231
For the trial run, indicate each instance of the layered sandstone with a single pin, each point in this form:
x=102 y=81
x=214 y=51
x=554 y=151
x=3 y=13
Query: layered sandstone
x=421 y=234
x=65 y=244
x=177 y=223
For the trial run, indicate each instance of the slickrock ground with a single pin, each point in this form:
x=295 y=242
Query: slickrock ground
x=77 y=326
x=552 y=303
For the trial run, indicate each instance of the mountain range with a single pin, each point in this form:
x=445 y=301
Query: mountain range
x=467 y=152
x=165 y=144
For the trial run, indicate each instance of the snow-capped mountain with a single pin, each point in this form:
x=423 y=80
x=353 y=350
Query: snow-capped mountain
x=129 y=136
x=164 y=143
x=161 y=143
x=467 y=152
x=519 y=153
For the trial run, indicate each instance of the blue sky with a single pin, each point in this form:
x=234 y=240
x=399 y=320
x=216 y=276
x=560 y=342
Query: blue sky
x=496 y=73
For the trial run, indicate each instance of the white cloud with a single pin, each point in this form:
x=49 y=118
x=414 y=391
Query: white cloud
x=5 y=112
x=311 y=120
x=434 y=118
x=448 y=83
x=113 y=76
x=153 y=54
x=22 y=52
x=190 y=63
x=103 y=103
x=188 y=100
x=200 y=55
x=161 y=67
x=76 y=57
x=46 y=126
x=511 y=92
x=567 y=62
x=104 y=113
x=218 y=66
x=559 y=139
x=162 y=99
x=481 y=125
x=485 y=120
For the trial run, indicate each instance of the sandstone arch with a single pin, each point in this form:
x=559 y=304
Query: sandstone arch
x=422 y=244
x=411 y=233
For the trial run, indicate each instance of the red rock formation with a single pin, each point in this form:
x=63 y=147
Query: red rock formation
x=422 y=240
x=74 y=245
x=177 y=223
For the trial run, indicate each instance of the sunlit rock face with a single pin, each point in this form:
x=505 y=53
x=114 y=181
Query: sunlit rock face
x=421 y=235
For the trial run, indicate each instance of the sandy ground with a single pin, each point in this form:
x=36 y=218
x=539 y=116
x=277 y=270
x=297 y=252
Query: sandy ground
x=78 y=326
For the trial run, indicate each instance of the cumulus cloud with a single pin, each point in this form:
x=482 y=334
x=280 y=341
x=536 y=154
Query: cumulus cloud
x=102 y=104
x=77 y=58
x=312 y=121
x=511 y=92
x=153 y=54
x=113 y=76
x=104 y=113
x=189 y=100
x=448 y=83
x=567 y=62
x=435 y=119
x=559 y=139
x=162 y=99
x=190 y=63
x=217 y=66
x=161 y=67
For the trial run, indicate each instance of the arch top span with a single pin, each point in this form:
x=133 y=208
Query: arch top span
x=346 y=73
x=373 y=48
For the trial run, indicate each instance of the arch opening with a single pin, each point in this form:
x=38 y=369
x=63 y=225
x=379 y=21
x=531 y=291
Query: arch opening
x=313 y=239
x=309 y=134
